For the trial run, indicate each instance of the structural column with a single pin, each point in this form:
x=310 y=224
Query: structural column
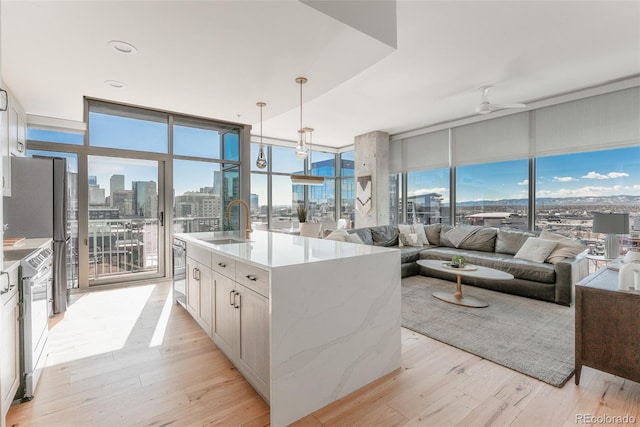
x=372 y=179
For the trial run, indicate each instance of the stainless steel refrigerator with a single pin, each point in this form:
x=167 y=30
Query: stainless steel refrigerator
x=38 y=208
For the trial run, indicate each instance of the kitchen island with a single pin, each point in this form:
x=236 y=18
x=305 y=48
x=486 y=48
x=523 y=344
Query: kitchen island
x=305 y=320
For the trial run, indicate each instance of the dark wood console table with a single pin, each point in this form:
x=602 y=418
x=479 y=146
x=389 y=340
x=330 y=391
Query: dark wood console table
x=607 y=326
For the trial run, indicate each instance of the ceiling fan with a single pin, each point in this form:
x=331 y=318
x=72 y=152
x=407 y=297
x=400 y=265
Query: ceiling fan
x=485 y=107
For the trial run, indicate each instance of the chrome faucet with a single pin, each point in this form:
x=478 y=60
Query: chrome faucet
x=246 y=209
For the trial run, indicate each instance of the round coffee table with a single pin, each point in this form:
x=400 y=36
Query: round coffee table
x=469 y=271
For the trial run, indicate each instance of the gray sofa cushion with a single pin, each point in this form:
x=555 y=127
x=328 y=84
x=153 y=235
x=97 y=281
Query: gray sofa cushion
x=457 y=235
x=364 y=234
x=482 y=240
x=510 y=241
x=410 y=254
x=384 y=235
x=521 y=269
x=433 y=233
x=443 y=238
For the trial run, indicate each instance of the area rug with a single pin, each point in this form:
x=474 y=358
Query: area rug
x=533 y=337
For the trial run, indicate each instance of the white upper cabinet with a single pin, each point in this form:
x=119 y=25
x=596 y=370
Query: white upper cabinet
x=13 y=137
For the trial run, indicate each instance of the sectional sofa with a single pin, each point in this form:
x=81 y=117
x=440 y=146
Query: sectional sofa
x=551 y=280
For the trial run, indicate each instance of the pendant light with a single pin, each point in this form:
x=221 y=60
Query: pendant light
x=301 y=148
x=261 y=162
x=308 y=179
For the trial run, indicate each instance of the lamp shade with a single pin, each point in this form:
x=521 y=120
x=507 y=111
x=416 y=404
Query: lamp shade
x=307 y=179
x=611 y=223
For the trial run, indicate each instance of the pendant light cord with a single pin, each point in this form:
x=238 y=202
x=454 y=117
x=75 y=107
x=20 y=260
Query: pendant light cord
x=301 y=134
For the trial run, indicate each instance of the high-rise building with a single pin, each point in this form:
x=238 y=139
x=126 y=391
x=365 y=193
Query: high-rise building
x=96 y=194
x=116 y=183
x=145 y=199
x=123 y=201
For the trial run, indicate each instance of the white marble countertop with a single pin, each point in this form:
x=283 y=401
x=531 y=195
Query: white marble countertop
x=270 y=250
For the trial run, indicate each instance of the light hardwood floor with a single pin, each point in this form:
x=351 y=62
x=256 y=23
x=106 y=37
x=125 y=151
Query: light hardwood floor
x=127 y=356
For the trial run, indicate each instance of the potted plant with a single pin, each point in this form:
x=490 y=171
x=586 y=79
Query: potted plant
x=302 y=213
x=458 y=261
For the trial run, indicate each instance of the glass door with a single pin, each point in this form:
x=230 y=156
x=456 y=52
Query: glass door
x=126 y=220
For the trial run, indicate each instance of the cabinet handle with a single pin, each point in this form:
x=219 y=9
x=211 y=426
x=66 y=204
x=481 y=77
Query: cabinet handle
x=193 y=273
x=251 y=277
x=9 y=287
x=222 y=264
x=198 y=274
x=232 y=301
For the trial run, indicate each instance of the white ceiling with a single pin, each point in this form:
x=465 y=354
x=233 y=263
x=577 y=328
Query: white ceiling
x=218 y=58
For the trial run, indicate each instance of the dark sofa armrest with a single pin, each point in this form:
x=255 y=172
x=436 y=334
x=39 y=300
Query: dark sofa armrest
x=569 y=272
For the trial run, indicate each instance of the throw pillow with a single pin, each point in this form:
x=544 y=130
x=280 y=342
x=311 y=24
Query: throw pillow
x=458 y=235
x=433 y=233
x=338 y=235
x=409 y=239
x=535 y=249
x=417 y=229
x=510 y=241
x=565 y=248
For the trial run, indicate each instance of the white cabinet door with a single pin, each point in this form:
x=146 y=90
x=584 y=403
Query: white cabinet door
x=9 y=352
x=206 y=310
x=254 y=332
x=200 y=295
x=226 y=315
x=192 y=288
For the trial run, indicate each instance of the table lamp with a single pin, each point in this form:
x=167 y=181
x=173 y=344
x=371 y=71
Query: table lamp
x=611 y=224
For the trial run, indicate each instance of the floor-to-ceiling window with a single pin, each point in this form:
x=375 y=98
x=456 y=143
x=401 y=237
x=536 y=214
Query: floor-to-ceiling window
x=493 y=194
x=428 y=197
x=202 y=184
x=285 y=197
x=122 y=165
x=322 y=198
x=347 y=188
x=570 y=187
x=125 y=231
x=125 y=178
x=275 y=199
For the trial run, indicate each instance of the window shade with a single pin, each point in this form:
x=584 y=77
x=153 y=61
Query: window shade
x=503 y=138
x=426 y=151
x=57 y=125
x=602 y=121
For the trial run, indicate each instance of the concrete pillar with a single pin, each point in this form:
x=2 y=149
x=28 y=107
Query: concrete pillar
x=372 y=159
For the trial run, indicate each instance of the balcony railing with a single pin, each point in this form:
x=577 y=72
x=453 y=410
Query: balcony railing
x=122 y=246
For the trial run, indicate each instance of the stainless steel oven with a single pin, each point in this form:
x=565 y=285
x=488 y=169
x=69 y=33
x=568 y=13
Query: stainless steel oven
x=179 y=271
x=35 y=296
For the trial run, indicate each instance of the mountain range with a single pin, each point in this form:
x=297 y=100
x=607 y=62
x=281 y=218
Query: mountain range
x=561 y=201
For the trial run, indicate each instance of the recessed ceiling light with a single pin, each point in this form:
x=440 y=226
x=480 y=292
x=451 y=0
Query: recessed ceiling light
x=122 y=47
x=115 y=83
